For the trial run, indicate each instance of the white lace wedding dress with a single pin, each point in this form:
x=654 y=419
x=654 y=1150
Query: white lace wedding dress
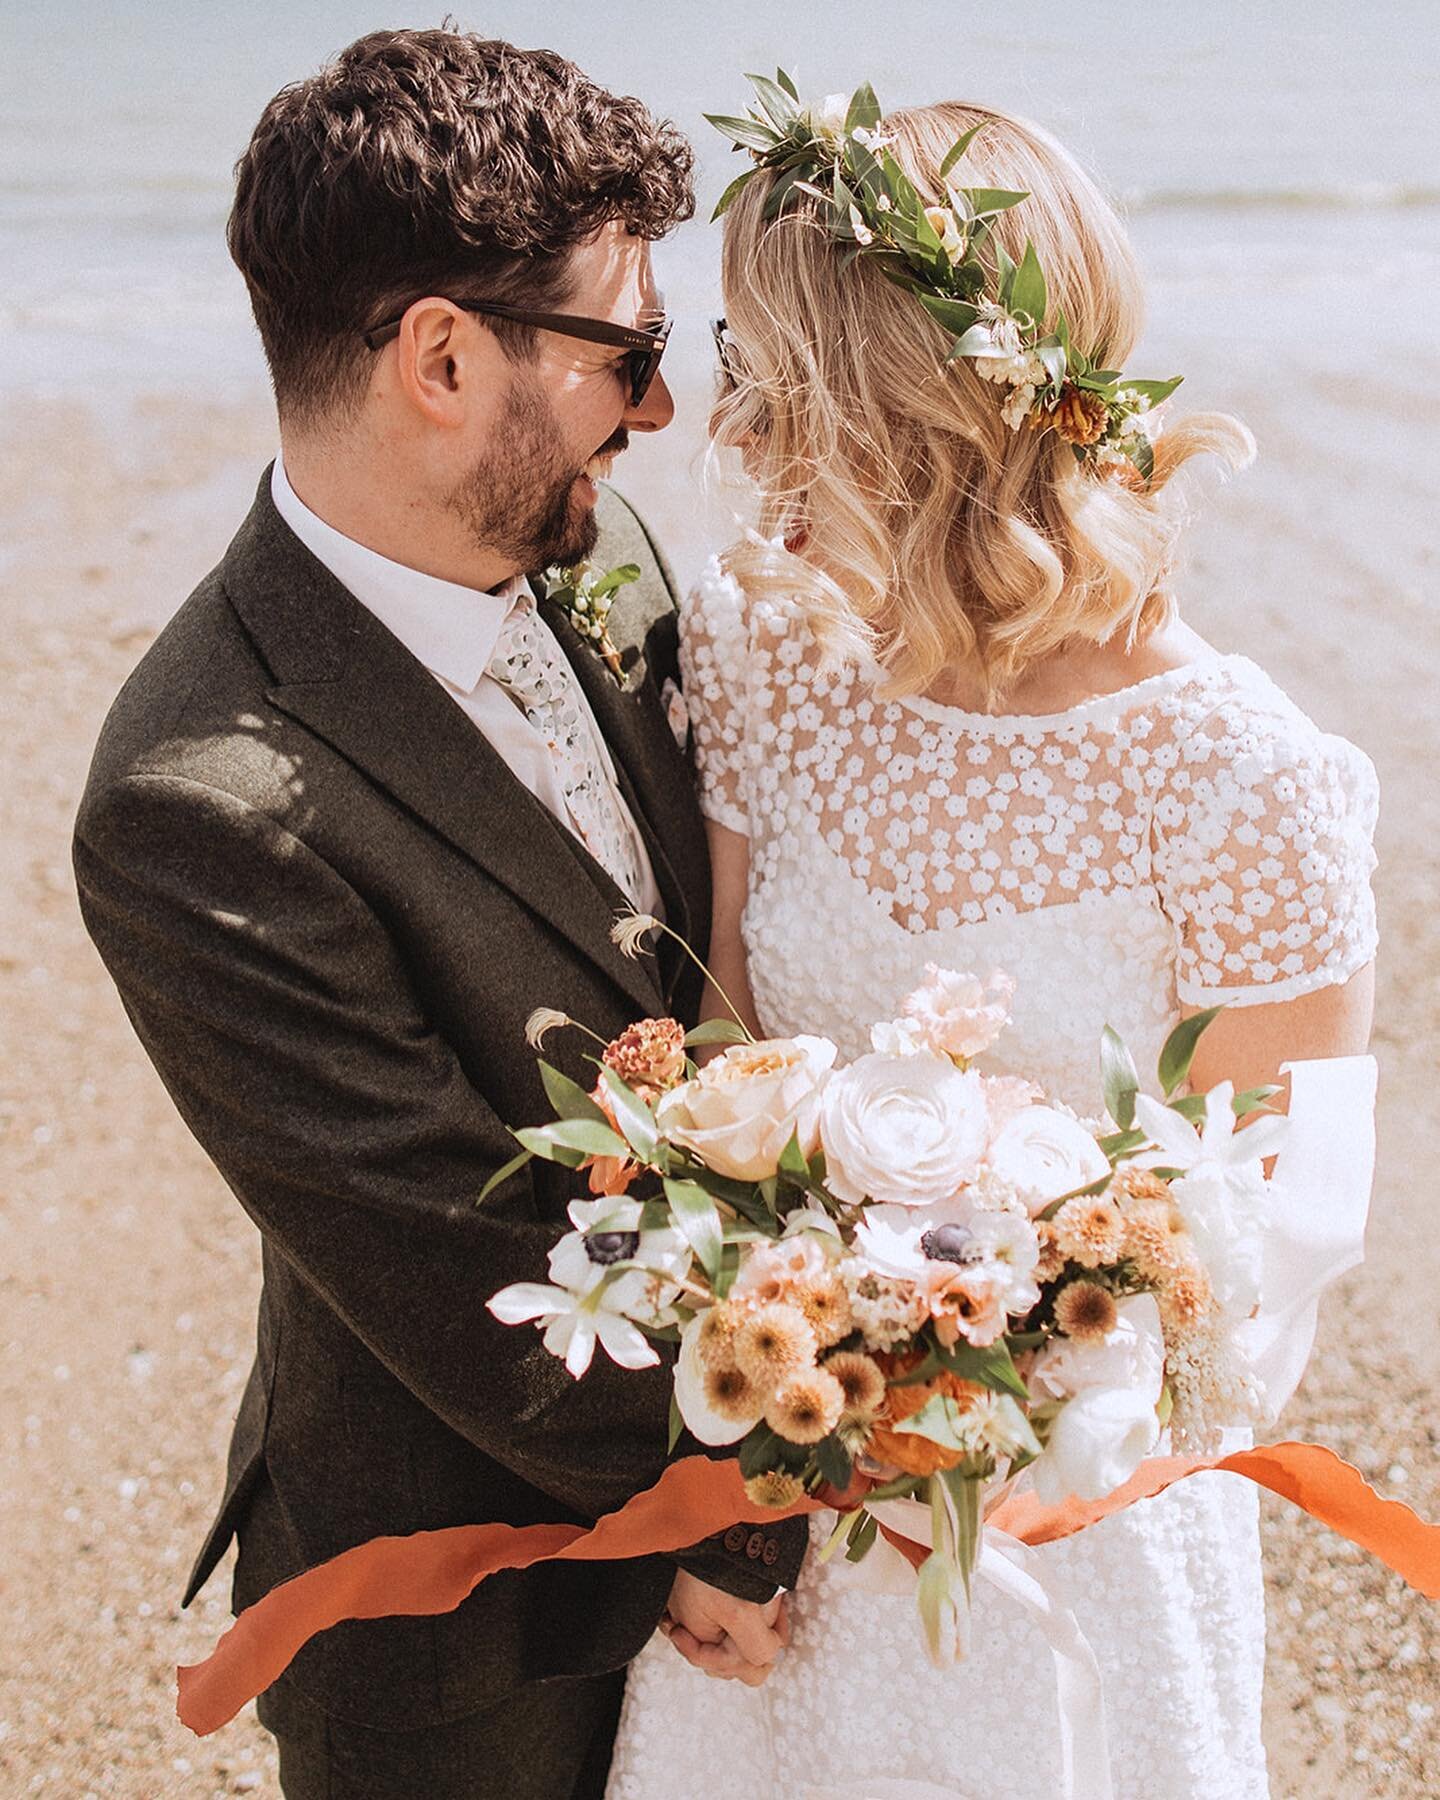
x=1193 y=838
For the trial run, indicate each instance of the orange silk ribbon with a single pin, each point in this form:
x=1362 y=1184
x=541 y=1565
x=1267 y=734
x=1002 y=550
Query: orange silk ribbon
x=434 y=1571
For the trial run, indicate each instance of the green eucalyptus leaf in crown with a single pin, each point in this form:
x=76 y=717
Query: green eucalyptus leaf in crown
x=835 y=155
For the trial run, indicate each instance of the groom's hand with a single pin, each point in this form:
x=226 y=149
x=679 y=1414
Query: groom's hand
x=734 y=1640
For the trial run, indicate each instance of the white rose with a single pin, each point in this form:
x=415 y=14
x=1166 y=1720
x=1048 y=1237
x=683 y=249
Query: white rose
x=741 y=1110
x=1043 y=1154
x=701 y=1421
x=1132 y=1356
x=902 y=1130
x=1096 y=1444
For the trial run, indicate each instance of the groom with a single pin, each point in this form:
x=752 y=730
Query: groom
x=360 y=809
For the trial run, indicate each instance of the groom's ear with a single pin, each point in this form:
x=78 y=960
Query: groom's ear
x=445 y=363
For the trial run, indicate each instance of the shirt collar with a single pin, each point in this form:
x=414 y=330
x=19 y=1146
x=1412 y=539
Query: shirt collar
x=449 y=628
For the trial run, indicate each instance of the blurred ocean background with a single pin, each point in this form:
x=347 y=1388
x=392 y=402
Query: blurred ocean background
x=1280 y=165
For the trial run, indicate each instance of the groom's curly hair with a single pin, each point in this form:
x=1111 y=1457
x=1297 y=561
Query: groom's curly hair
x=421 y=162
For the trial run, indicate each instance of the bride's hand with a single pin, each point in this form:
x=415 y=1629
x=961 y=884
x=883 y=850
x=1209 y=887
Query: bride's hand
x=733 y=1640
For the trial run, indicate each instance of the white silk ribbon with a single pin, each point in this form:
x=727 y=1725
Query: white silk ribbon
x=1319 y=1199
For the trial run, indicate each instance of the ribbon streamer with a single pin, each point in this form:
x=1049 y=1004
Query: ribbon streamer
x=434 y=1571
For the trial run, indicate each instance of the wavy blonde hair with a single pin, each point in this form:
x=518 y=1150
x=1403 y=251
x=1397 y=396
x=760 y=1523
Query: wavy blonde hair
x=948 y=540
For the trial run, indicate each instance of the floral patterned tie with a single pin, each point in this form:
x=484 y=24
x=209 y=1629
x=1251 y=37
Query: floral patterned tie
x=532 y=668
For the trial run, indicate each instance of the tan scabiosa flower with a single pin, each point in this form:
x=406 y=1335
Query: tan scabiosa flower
x=1086 y=1311
x=1156 y=1240
x=1185 y=1297
x=715 y=1336
x=730 y=1392
x=827 y=1306
x=1090 y=1229
x=807 y=1408
x=773 y=1487
x=1080 y=417
x=861 y=1379
x=774 y=1345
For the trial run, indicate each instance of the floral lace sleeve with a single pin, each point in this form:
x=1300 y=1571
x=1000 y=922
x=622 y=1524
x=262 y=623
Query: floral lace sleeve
x=1263 y=855
x=713 y=662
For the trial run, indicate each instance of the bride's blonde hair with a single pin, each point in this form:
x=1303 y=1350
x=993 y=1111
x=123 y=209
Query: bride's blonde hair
x=948 y=540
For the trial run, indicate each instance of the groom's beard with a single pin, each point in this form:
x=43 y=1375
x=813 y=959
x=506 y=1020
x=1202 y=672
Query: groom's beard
x=519 y=498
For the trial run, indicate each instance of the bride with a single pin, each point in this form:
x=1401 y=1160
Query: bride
x=945 y=710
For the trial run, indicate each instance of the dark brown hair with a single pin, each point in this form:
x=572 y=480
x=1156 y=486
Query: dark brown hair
x=421 y=162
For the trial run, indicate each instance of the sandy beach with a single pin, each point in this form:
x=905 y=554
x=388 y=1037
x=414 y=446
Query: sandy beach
x=129 y=1275
x=1281 y=213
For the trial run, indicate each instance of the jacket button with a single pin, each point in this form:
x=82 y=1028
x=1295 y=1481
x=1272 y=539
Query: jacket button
x=771 y=1553
x=735 y=1538
x=754 y=1544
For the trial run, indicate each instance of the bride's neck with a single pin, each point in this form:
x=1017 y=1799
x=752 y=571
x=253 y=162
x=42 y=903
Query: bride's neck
x=1075 y=673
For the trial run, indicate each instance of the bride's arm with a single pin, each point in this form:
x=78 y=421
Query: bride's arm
x=729 y=870
x=1247 y=1044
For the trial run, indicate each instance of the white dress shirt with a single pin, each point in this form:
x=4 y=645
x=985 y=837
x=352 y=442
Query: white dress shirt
x=452 y=630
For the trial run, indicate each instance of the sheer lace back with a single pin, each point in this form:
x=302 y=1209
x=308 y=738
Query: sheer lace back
x=1198 y=818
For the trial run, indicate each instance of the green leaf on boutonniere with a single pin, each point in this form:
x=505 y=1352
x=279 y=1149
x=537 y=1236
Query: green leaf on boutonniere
x=677 y=1425
x=613 y=580
x=786 y=82
x=861 y=1535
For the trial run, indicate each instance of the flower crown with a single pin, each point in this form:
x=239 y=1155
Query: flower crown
x=948 y=257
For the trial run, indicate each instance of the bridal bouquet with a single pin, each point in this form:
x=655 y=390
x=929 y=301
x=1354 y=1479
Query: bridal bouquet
x=905 y=1277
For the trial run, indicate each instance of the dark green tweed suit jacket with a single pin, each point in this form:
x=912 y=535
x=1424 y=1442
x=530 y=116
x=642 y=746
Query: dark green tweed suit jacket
x=329 y=908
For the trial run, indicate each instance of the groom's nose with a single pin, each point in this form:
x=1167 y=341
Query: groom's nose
x=654 y=412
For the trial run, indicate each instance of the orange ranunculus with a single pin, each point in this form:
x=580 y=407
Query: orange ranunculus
x=905 y=1449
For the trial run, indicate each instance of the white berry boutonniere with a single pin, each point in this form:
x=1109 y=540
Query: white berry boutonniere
x=587 y=597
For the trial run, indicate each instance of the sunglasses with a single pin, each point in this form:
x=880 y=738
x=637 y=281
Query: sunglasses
x=725 y=353
x=643 y=348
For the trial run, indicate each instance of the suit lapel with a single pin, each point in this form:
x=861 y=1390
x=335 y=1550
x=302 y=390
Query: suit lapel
x=340 y=673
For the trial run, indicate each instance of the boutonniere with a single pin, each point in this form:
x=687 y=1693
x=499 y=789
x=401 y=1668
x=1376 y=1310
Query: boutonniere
x=587 y=598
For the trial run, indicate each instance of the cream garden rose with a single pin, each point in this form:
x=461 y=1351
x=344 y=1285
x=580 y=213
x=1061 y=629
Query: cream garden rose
x=902 y=1130
x=1043 y=1154
x=741 y=1110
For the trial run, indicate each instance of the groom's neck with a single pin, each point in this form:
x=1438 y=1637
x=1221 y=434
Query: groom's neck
x=376 y=495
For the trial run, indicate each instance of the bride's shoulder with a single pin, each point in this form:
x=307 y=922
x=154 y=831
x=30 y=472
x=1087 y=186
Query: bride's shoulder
x=1229 y=714
x=719 y=609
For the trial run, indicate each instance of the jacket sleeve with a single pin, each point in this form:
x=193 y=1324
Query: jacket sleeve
x=276 y=1010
